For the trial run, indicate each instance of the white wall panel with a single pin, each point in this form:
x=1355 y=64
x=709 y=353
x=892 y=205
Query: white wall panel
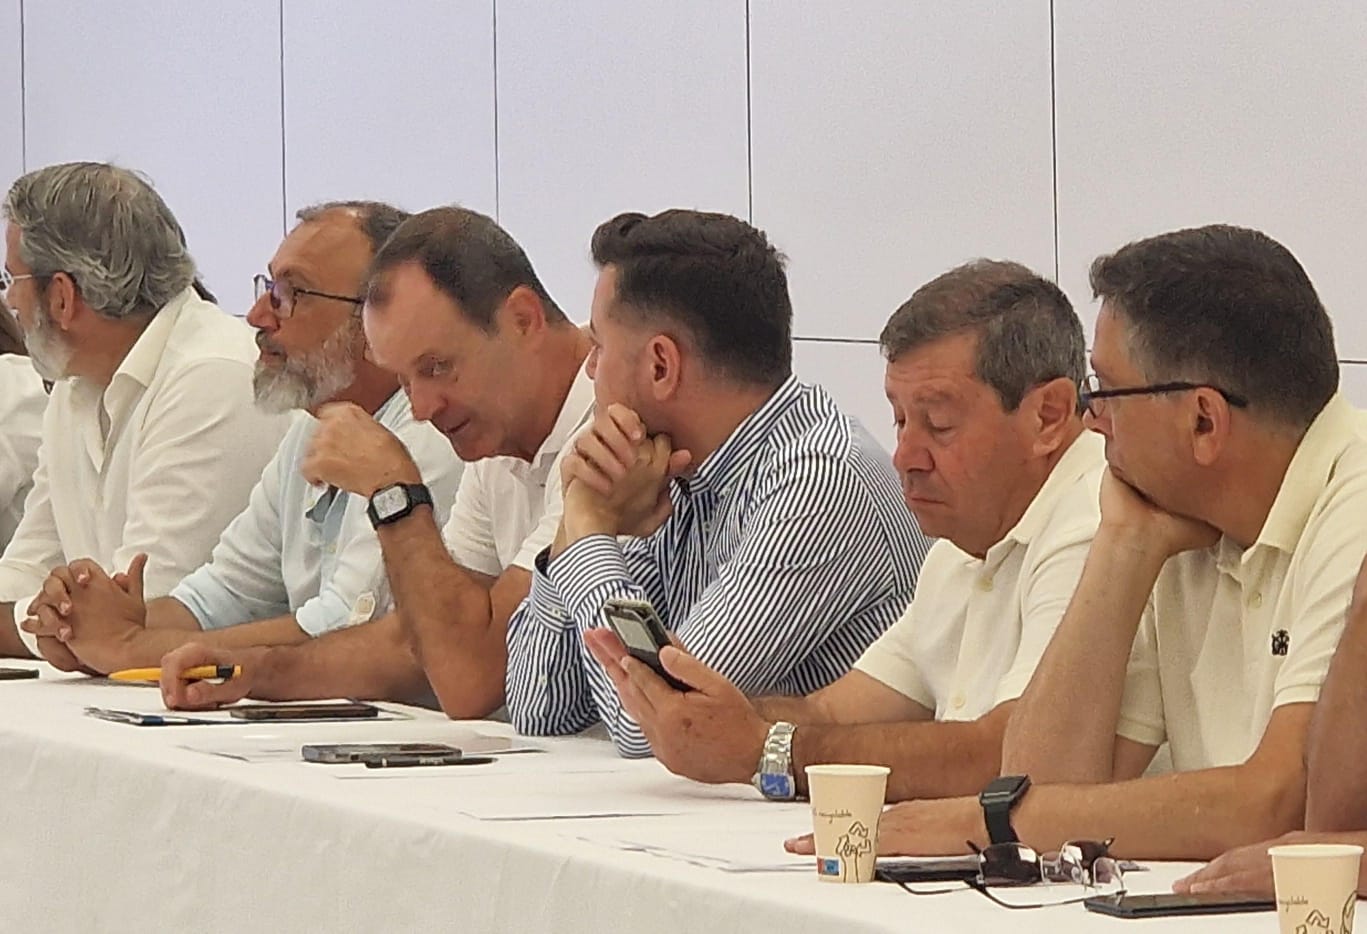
x=188 y=93
x=608 y=106
x=11 y=95
x=853 y=374
x=894 y=139
x=387 y=101
x=1353 y=383
x=1173 y=114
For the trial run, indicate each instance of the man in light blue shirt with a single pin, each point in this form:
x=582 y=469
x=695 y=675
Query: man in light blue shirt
x=301 y=560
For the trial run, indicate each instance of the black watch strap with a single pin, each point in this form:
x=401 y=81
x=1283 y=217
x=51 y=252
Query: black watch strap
x=998 y=817
x=997 y=800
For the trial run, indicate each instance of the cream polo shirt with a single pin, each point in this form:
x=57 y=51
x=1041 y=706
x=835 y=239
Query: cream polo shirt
x=22 y=401
x=1230 y=634
x=507 y=510
x=976 y=629
x=159 y=461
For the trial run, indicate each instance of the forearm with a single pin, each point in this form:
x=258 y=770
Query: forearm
x=1179 y=816
x=447 y=616
x=928 y=759
x=11 y=646
x=1337 y=742
x=1083 y=670
x=371 y=661
x=800 y=710
x=170 y=613
x=145 y=648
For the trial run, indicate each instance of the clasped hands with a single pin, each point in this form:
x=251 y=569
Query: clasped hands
x=83 y=616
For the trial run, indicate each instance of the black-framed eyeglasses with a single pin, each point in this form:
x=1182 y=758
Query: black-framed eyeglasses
x=283 y=295
x=1012 y=865
x=1090 y=393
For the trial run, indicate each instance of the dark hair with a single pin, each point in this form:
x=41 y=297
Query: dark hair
x=468 y=257
x=713 y=274
x=11 y=338
x=1027 y=330
x=377 y=220
x=1228 y=306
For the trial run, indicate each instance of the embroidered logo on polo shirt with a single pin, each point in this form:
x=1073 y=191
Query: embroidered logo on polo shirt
x=1281 y=642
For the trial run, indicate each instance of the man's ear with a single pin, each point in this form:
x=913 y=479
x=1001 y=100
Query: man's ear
x=522 y=312
x=62 y=298
x=663 y=359
x=1052 y=409
x=1211 y=423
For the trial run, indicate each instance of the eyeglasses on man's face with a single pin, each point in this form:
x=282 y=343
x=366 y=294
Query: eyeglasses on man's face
x=1092 y=396
x=7 y=280
x=283 y=296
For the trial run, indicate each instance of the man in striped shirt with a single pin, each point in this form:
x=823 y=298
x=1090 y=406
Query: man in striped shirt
x=765 y=527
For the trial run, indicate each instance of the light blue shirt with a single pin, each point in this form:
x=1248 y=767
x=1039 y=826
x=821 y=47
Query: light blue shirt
x=308 y=551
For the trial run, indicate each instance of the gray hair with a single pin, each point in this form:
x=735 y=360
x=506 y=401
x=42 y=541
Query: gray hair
x=1027 y=330
x=376 y=219
x=107 y=229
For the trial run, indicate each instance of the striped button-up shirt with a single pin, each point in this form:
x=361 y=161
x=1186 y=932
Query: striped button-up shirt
x=789 y=551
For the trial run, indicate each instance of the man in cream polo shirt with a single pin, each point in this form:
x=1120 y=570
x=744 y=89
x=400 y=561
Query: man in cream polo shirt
x=455 y=309
x=300 y=560
x=983 y=368
x=151 y=441
x=1215 y=590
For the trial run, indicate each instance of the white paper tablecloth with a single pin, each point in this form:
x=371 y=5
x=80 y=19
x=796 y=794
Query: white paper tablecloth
x=110 y=827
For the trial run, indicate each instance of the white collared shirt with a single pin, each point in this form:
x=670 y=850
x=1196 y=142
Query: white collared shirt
x=311 y=551
x=1231 y=634
x=158 y=461
x=507 y=509
x=977 y=628
x=22 y=401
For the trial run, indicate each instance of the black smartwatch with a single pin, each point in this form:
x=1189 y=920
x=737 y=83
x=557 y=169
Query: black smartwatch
x=391 y=503
x=998 y=798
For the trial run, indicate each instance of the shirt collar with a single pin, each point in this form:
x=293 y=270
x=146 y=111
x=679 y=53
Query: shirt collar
x=729 y=461
x=1085 y=454
x=1336 y=428
x=144 y=357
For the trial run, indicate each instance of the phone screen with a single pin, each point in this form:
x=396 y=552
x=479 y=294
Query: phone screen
x=304 y=712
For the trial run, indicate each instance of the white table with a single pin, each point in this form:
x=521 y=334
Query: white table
x=109 y=827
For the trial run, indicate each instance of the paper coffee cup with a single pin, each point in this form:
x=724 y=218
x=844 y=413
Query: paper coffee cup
x=847 y=801
x=1316 y=886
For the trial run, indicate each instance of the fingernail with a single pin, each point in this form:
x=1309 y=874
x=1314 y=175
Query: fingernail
x=64 y=606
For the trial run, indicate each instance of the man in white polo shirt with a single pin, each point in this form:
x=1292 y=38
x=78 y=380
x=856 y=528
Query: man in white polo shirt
x=984 y=364
x=301 y=560
x=1214 y=593
x=457 y=312
x=151 y=441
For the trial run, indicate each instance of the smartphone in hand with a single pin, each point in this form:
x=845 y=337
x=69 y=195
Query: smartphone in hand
x=643 y=633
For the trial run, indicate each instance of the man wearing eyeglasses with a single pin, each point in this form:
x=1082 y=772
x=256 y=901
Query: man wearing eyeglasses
x=455 y=309
x=983 y=369
x=302 y=559
x=1214 y=593
x=150 y=440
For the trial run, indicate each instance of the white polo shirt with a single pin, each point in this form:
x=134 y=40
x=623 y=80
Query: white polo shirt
x=159 y=461
x=976 y=629
x=22 y=401
x=507 y=510
x=311 y=551
x=1231 y=634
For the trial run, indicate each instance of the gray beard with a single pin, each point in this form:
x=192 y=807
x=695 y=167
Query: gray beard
x=308 y=380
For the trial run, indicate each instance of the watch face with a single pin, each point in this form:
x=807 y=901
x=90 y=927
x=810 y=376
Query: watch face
x=775 y=786
x=389 y=501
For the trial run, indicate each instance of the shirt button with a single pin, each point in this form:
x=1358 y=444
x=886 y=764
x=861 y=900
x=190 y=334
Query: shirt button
x=985 y=584
x=958 y=701
x=1256 y=600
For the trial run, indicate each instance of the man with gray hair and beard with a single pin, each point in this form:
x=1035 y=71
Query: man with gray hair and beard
x=150 y=442
x=301 y=560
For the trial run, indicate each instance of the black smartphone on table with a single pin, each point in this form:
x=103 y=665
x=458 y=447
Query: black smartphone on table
x=350 y=710
x=927 y=869
x=1171 y=903
x=643 y=633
